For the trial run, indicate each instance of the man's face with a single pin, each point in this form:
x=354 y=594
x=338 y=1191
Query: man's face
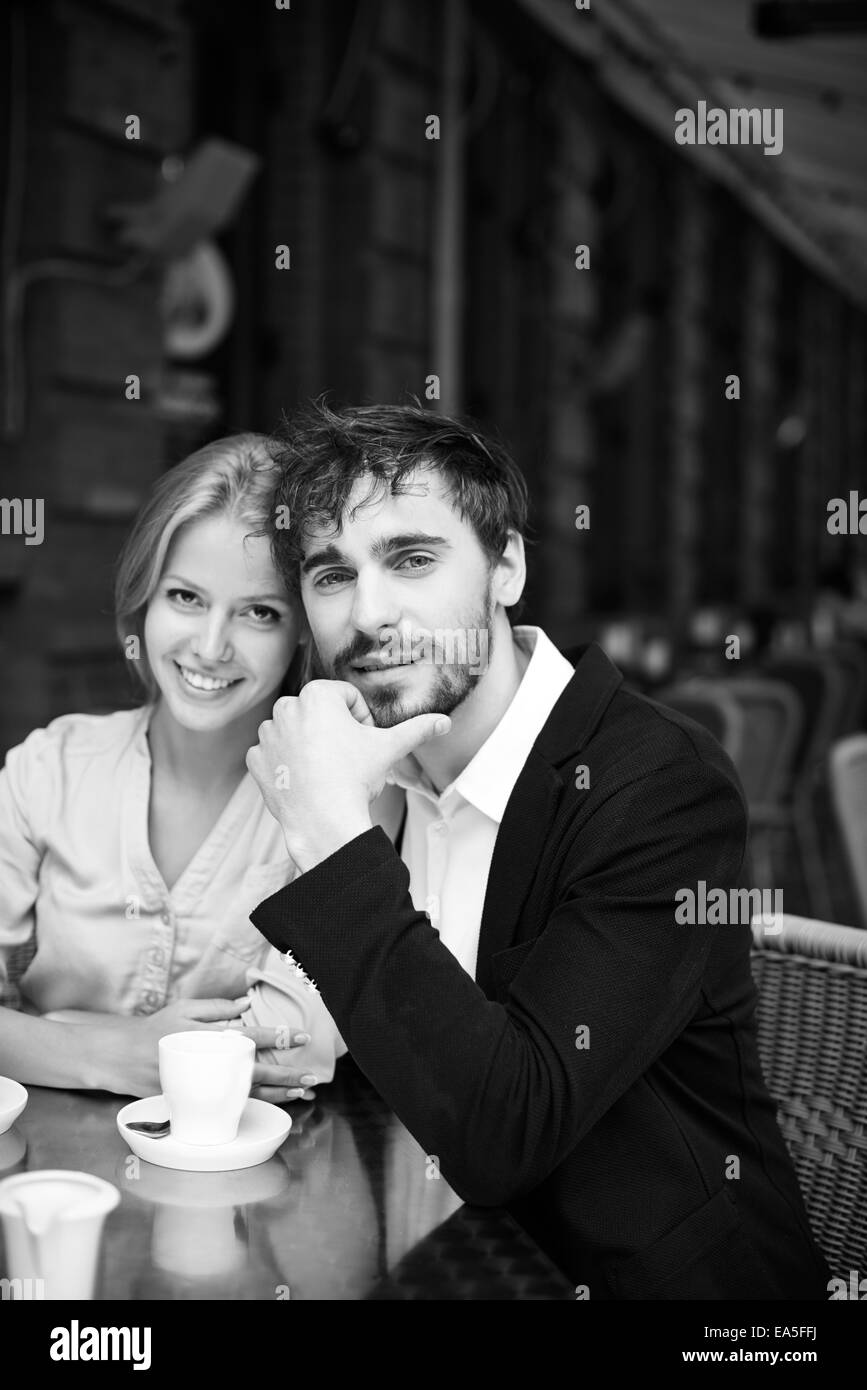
x=401 y=600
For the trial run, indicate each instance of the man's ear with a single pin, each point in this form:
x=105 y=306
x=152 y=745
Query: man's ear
x=510 y=572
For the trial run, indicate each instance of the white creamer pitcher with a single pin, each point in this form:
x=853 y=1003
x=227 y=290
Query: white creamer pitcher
x=52 y=1225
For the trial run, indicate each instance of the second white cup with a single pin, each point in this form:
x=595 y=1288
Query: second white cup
x=206 y=1078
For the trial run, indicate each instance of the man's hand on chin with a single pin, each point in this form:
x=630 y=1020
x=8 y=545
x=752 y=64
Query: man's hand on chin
x=321 y=760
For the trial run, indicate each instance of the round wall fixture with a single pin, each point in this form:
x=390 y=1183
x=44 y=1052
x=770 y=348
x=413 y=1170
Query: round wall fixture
x=197 y=302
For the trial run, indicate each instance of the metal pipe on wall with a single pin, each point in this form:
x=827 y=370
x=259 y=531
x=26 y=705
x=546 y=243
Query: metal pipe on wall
x=447 y=281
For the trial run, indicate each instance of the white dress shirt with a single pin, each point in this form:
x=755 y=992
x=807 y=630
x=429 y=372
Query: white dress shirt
x=448 y=839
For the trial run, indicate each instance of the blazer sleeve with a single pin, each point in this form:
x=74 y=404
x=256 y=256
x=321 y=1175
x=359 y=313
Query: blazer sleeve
x=501 y=1092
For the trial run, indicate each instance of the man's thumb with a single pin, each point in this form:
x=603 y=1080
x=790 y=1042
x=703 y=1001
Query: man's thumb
x=406 y=737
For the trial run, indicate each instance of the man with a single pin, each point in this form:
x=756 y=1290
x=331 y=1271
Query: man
x=514 y=980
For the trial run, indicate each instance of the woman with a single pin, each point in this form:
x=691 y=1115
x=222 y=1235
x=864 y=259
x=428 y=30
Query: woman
x=135 y=844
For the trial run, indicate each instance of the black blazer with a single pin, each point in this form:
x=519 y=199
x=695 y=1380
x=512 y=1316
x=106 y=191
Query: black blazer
x=648 y=1163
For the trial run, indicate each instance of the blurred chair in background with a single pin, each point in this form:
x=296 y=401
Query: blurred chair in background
x=851 y=660
x=812 y=1030
x=709 y=703
x=777 y=711
x=772 y=729
x=822 y=688
x=849 y=795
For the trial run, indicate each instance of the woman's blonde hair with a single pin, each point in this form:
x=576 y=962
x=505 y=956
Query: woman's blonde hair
x=234 y=477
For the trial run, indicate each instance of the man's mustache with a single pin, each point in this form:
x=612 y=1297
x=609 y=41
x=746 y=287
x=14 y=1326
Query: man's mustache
x=453 y=646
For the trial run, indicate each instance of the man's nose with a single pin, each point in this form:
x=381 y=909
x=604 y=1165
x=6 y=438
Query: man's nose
x=375 y=604
x=211 y=641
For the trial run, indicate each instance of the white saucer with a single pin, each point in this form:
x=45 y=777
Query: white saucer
x=13 y=1099
x=262 y=1130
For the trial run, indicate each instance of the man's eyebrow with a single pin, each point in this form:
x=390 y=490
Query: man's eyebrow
x=388 y=545
x=328 y=555
x=250 y=598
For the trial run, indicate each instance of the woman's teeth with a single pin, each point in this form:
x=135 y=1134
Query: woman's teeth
x=203 y=682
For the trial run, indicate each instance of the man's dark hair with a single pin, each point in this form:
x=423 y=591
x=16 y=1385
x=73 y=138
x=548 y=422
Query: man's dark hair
x=323 y=453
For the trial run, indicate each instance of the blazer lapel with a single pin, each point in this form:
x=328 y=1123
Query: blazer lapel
x=532 y=806
x=523 y=830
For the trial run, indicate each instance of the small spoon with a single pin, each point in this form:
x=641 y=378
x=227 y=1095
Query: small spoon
x=155 y=1129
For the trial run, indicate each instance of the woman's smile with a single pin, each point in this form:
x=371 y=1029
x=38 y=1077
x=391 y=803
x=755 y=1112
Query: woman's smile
x=199 y=686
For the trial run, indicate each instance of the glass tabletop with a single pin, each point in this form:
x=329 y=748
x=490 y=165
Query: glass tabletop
x=350 y=1207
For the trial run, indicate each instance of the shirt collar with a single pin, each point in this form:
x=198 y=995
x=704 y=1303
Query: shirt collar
x=489 y=777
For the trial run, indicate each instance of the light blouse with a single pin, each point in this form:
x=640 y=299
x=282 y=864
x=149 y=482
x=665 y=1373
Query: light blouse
x=76 y=869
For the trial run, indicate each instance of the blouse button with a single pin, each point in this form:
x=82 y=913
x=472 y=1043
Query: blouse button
x=165 y=917
x=152 y=999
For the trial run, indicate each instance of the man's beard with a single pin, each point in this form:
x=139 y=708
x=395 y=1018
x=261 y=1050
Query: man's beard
x=451 y=687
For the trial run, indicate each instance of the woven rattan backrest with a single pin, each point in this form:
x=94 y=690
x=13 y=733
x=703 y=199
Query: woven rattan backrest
x=812 y=1026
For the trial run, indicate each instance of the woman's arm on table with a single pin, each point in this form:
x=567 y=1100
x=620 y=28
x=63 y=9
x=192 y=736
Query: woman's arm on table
x=101 y=1052
x=129 y=1056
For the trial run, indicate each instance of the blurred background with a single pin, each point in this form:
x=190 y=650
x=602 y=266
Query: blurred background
x=214 y=211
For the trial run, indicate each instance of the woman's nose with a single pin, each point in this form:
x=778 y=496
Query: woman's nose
x=211 y=641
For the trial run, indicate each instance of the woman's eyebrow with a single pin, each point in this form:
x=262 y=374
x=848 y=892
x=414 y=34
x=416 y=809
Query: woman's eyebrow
x=187 y=583
x=249 y=598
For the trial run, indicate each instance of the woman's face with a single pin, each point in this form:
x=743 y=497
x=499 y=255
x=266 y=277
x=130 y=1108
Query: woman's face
x=220 y=630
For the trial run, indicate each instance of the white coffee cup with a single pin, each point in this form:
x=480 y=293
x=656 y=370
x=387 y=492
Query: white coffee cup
x=206 y=1078
x=52 y=1223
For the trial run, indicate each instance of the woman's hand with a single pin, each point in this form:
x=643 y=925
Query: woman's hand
x=134 y=1047
x=279 y=1082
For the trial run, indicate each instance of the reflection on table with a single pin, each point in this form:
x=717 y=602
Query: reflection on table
x=350 y=1207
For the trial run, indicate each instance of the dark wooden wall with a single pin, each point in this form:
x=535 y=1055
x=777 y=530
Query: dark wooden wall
x=78 y=70
x=693 y=498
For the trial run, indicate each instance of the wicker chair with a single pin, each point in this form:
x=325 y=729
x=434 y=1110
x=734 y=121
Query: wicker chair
x=812 y=1025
